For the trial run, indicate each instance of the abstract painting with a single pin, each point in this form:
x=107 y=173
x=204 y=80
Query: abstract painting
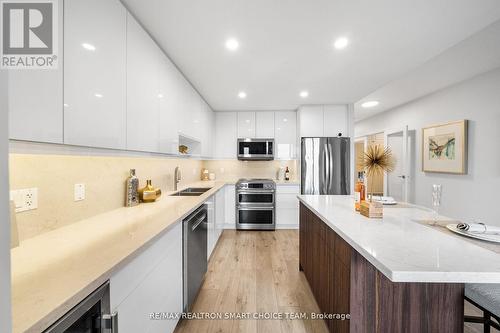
x=444 y=148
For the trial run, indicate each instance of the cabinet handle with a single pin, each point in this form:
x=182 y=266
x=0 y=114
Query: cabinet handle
x=110 y=323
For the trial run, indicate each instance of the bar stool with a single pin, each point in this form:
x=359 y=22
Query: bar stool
x=486 y=297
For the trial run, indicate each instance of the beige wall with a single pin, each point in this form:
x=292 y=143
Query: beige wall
x=233 y=169
x=104 y=178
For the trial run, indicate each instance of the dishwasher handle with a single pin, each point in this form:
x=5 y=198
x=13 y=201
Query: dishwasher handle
x=199 y=221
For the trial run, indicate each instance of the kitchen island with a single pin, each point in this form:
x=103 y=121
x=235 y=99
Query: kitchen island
x=390 y=275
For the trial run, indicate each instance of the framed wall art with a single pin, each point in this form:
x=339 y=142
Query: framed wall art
x=444 y=148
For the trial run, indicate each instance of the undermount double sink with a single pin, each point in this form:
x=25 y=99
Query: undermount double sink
x=191 y=192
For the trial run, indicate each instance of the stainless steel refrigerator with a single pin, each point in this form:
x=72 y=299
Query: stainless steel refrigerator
x=325 y=166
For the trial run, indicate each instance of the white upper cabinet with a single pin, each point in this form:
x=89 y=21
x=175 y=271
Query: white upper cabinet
x=169 y=117
x=246 y=125
x=226 y=134
x=311 y=120
x=335 y=120
x=264 y=125
x=143 y=95
x=94 y=73
x=208 y=126
x=36 y=100
x=285 y=134
x=323 y=120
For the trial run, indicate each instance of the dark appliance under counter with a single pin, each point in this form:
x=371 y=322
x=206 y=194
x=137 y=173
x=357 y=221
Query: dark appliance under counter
x=92 y=315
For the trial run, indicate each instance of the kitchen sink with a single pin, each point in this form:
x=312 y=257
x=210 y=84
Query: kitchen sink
x=191 y=192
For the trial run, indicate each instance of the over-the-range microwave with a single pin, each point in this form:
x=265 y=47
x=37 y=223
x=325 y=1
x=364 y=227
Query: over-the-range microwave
x=255 y=149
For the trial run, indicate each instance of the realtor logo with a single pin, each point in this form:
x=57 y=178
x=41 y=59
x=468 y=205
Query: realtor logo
x=29 y=34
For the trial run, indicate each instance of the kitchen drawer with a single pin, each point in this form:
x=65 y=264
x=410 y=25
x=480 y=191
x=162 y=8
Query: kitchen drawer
x=131 y=275
x=287 y=217
x=288 y=188
x=289 y=201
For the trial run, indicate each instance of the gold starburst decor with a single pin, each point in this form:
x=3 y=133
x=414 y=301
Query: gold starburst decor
x=376 y=161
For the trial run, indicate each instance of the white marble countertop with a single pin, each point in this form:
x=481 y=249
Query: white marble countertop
x=401 y=248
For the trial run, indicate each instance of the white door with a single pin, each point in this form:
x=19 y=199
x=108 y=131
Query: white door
x=246 y=124
x=396 y=183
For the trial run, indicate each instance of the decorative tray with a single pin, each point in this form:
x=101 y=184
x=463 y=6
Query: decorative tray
x=485 y=237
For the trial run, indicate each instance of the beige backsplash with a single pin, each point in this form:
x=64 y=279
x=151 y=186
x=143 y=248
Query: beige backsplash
x=234 y=169
x=104 y=179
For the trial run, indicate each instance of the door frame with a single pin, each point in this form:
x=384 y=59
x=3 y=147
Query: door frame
x=405 y=161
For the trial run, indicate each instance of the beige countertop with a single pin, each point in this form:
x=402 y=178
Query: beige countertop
x=53 y=272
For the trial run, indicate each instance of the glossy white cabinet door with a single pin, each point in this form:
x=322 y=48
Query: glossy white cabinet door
x=285 y=140
x=169 y=116
x=311 y=121
x=94 y=73
x=246 y=124
x=143 y=101
x=211 y=238
x=335 y=120
x=220 y=211
x=226 y=134
x=35 y=100
x=264 y=125
x=287 y=206
x=136 y=293
x=230 y=215
x=208 y=129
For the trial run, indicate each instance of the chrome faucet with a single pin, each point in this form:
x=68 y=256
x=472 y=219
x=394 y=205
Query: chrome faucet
x=177 y=177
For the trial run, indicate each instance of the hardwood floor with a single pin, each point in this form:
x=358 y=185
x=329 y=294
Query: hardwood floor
x=257 y=272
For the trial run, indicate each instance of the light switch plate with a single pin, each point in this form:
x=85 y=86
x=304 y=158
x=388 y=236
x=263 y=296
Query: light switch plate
x=79 y=192
x=25 y=199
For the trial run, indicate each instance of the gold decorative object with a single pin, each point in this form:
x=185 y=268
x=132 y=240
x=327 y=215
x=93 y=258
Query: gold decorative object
x=183 y=149
x=149 y=193
x=376 y=160
x=204 y=174
x=444 y=148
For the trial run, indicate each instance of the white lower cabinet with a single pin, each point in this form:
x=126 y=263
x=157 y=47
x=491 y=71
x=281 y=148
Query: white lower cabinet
x=287 y=206
x=230 y=209
x=220 y=211
x=150 y=283
x=211 y=235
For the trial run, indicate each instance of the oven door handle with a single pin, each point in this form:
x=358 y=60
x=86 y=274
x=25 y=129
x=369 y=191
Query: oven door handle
x=256 y=208
x=255 y=192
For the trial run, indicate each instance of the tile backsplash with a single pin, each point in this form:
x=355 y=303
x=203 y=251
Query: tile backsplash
x=229 y=170
x=104 y=177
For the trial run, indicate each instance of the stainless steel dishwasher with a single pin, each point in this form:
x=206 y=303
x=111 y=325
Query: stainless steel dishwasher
x=194 y=254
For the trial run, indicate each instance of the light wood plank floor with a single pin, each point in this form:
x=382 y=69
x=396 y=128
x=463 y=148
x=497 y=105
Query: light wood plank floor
x=257 y=272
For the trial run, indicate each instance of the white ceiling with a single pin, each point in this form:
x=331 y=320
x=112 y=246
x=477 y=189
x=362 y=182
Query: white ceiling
x=286 y=46
x=475 y=55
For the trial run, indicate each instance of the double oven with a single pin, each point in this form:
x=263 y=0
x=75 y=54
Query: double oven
x=256 y=204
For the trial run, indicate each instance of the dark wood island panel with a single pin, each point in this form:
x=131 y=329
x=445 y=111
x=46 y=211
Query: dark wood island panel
x=344 y=282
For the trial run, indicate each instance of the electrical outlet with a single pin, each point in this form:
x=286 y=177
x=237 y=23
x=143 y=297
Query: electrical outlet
x=25 y=199
x=79 y=192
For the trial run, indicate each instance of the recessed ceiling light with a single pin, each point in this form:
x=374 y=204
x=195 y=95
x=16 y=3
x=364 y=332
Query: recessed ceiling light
x=98 y=95
x=232 y=44
x=369 y=104
x=341 y=43
x=88 y=47
x=304 y=94
x=242 y=94
x=160 y=95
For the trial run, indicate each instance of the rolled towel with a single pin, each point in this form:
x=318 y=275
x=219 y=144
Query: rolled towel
x=479 y=228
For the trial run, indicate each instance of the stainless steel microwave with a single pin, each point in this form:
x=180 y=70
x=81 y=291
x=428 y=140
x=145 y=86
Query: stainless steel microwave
x=256 y=149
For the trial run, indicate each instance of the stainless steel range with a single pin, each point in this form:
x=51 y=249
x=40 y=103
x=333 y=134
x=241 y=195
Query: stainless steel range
x=255 y=204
